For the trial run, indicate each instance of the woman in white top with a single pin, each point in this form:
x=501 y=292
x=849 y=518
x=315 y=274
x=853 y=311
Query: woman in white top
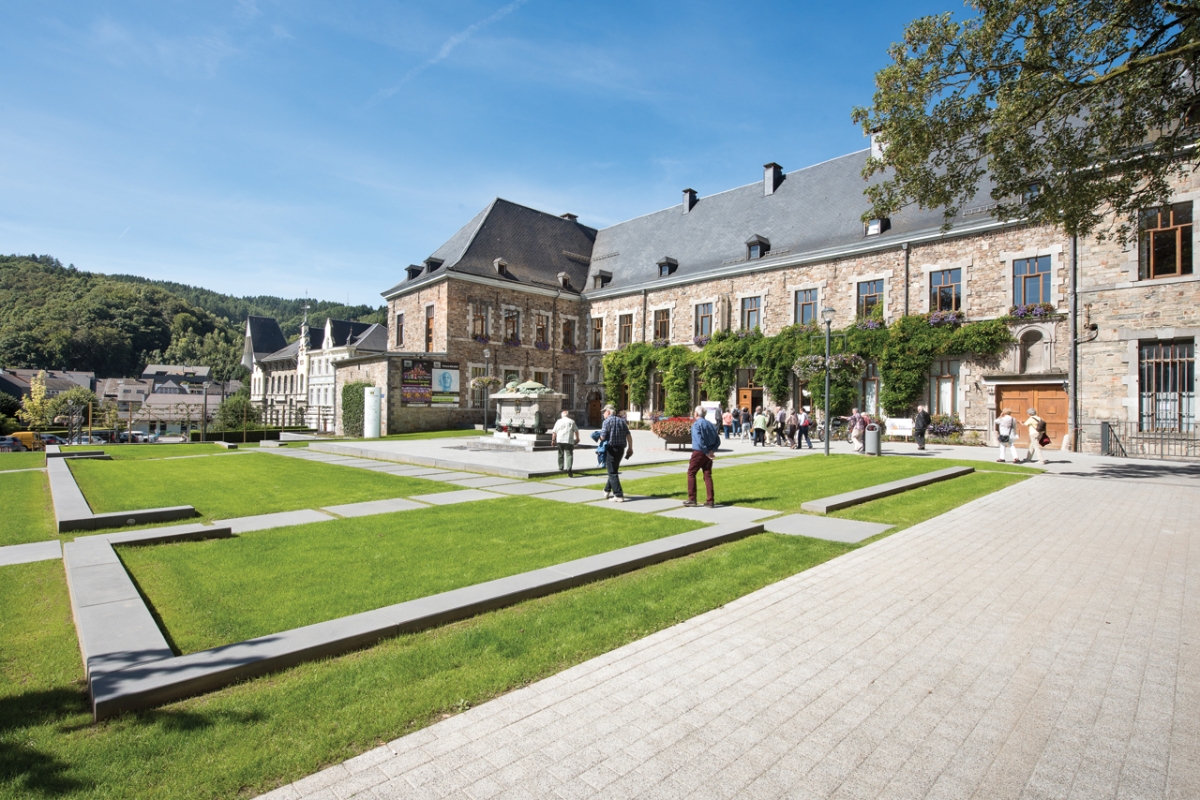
x=1006 y=433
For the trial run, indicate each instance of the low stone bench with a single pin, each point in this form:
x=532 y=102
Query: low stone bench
x=151 y=683
x=847 y=499
x=226 y=445
x=74 y=453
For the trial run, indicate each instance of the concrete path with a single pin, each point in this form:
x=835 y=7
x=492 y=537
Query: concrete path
x=1038 y=643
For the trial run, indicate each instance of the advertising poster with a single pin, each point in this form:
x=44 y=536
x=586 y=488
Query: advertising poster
x=416 y=382
x=445 y=382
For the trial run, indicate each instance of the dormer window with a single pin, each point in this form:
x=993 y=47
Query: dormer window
x=757 y=247
x=601 y=279
x=432 y=264
x=501 y=266
x=667 y=266
x=414 y=271
x=878 y=226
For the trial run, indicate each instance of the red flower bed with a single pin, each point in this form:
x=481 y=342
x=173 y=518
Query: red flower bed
x=672 y=427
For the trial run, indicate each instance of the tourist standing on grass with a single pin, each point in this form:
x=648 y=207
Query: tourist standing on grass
x=921 y=424
x=759 y=432
x=705 y=441
x=805 y=422
x=565 y=434
x=618 y=444
x=727 y=422
x=1006 y=434
x=1037 y=430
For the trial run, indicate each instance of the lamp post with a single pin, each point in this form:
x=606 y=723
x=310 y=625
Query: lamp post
x=827 y=315
x=487 y=373
x=204 y=417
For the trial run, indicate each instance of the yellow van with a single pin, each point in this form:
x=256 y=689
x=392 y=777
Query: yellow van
x=31 y=440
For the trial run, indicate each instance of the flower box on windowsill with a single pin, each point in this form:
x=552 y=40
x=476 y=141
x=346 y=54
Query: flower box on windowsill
x=569 y=349
x=542 y=345
x=512 y=342
x=483 y=339
x=1034 y=312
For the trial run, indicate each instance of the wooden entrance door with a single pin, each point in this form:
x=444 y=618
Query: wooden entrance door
x=1050 y=401
x=749 y=398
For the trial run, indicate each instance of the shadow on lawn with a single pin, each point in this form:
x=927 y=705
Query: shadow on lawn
x=22 y=765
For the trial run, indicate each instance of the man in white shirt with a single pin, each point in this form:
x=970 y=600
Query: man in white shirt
x=565 y=434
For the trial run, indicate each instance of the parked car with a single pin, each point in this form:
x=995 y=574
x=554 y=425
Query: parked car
x=50 y=438
x=85 y=439
x=9 y=444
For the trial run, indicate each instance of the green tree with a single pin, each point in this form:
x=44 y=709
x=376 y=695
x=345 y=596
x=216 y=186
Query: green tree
x=235 y=411
x=35 y=408
x=1071 y=110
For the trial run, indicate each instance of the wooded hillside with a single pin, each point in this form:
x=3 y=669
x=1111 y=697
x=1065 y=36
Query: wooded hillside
x=64 y=318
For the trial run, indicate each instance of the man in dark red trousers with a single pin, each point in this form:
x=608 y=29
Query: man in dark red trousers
x=705 y=441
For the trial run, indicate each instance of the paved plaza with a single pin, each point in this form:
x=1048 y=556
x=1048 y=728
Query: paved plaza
x=1037 y=643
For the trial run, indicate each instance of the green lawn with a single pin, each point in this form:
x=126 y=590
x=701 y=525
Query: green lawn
x=251 y=737
x=23 y=460
x=135 y=452
x=26 y=511
x=224 y=591
x=917 y=505
x=236 y=486
x=784 y=485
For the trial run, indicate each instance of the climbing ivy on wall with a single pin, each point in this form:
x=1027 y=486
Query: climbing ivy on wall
x=903 y=351
x=352 y=407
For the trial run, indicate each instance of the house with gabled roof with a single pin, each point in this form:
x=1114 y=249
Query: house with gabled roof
x=522 y=294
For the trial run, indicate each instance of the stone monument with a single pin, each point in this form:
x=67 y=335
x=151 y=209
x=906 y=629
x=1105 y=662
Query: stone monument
x=524 y=414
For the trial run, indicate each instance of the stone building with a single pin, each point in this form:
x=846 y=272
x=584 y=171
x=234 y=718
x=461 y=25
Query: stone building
x=519 y=293
x=294 y=384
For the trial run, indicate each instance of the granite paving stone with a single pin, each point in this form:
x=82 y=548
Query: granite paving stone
x=575 y=496
x=28 y=553
x=478 y=482
x=722 y=514
x=371 y=507
x=641 y=504
x=281 y=519
x=457 y=477
x=966 y=656
x=584 y=480
x=525 y=488
x=831 y=528
x=461 y=496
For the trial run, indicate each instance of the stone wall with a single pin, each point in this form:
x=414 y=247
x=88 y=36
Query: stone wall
x=381 y=372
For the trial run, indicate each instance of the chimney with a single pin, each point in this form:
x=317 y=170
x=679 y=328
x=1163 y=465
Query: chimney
x=569 y=216
x=772 y=177
x=876 y=145
x=689 y=200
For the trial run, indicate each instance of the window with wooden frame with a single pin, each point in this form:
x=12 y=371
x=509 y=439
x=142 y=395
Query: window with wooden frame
x=704 y=319
x=477 y=393
x=512 y=325
x=806 y=306
x=399 y=331
x=870 y=295
x=428 y=329
x=624 y=329
x=541 y=328
x=662 y=324
x=1031 y=281
x=869 y=391
x=542 y=377
x=945 y=290
x=568 y=388
x=943 y=387
x=658 y=395
x=1165 y=242
x=568 y=333
x=479 y=320
x=597 y=333
x=751 y=313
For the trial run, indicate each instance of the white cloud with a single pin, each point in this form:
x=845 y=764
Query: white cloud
x=450 y=44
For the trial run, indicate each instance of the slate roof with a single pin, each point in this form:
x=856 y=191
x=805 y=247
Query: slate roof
x=265 y=335
x=536 y=246
x=344 y=332
x=814 y=209
x=362 y=335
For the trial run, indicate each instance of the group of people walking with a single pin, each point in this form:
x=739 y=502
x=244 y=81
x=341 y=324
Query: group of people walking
x=783 y=427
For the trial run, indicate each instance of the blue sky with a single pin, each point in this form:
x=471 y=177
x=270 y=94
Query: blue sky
x=319 y=147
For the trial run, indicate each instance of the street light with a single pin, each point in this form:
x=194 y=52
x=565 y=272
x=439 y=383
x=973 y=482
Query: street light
x=487 y=373
x=204 y=417
x=827 y=315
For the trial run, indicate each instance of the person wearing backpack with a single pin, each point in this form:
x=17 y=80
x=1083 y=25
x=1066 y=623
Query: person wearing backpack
x=1038 y=437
